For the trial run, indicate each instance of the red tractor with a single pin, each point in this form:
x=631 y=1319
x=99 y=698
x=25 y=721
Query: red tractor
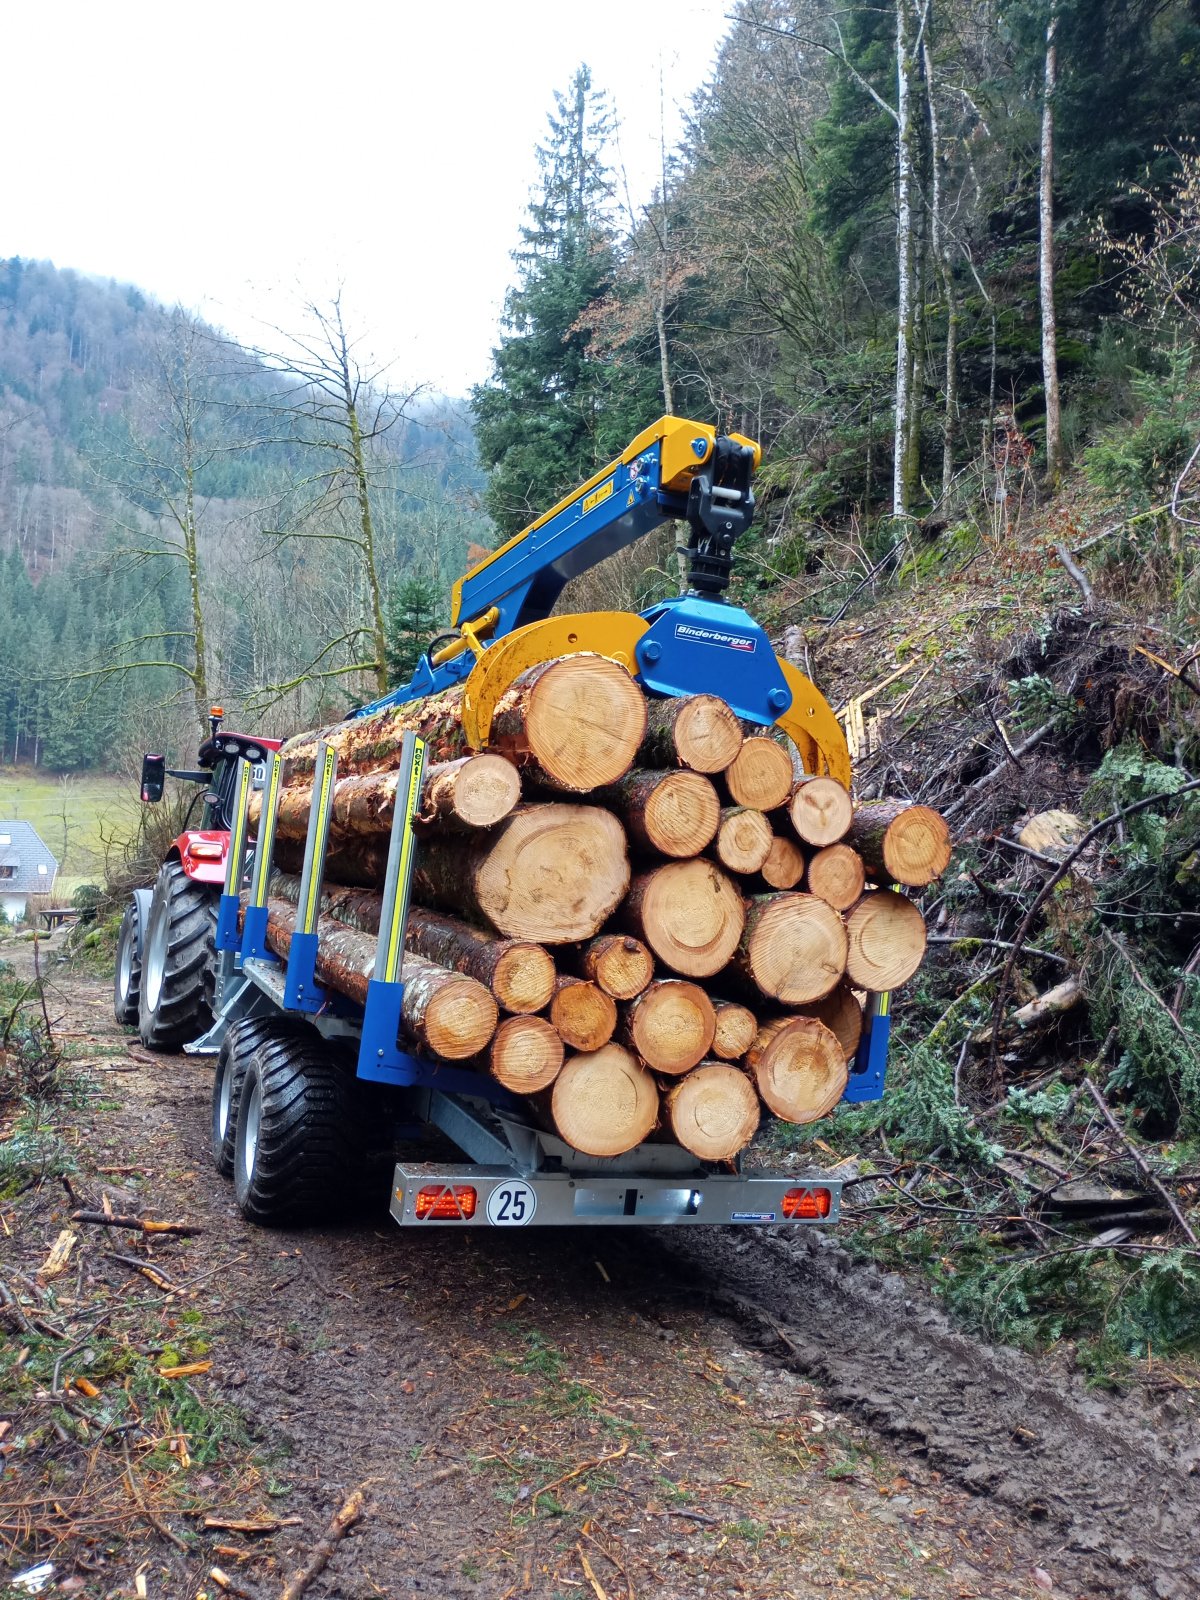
x=164 y=975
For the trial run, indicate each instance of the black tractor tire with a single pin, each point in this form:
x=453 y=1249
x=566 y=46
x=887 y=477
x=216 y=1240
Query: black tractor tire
x=299 y=1131
x=127 y=969
x=238 y=1045
x=174 y=1005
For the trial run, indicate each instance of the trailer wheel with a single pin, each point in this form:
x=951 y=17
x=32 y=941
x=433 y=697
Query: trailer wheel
x=238 y=1045
x=173 y=1004
x=127 y=972
x=297 y=1131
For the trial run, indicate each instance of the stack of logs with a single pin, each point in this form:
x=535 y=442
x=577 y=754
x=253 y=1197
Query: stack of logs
x=632 y=910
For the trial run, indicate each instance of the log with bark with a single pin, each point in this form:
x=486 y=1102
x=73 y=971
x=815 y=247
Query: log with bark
x=619 y=963
x=552 y=873
x=799 y=1068
x=689 y=913
x=447 y=1013
x=670 y=1025
x=760 y=775
x=743 y=840
x=820 y=810
x=674 y=813
x=886 y=941
x=572 y=724
x=836 y=875
x=699 y=731
x=372 y=743
x=793 y=947
x=900 y=842
x=735 y=1029
x=519 y=973
x=603 y=1103
x=583 y=1015
x=713 y=1111
x=526 y=1054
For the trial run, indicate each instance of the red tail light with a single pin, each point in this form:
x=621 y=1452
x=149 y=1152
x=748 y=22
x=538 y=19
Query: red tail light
x=443 y=1203
x=807 y=1205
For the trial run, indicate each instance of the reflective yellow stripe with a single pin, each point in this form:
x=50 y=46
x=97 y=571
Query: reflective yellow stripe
x=310 y=909
x=885 y=1004
x=407 y=842
x=266 y=831
x=237 y=844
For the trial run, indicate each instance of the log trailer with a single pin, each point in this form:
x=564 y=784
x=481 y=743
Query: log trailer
x=304 y=1076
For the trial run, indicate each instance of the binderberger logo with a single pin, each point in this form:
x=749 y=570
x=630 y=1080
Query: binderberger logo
x=730 y=641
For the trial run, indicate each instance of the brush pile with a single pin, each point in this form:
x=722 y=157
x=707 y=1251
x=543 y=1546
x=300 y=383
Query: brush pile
x=633 y=911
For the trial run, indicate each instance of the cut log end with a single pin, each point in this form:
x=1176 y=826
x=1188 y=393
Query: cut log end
x=474 y=792
x=523 y=977
x=700 y=732
x=604 y=1103
x=681 y=815
x=713 y=1112
x=821 y=811
x=584 y=1016
x=836 y=875
x=842 y=1014
x=735 y=1029
x=619 y=963
x=671 y=1025
x=458 y=1016
x=760 y=775
x=576 y=722
x=799 y=1067
x=690 y=914
x=887 y=941
x=526 y=1054
x=793 y=948
x=784 y=866
x=743 y=840
x=906 y=843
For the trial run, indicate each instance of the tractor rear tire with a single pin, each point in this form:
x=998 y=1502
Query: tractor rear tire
x=174 y=1001
x=238 y=1045
x=299 y=1132
x=127 y=971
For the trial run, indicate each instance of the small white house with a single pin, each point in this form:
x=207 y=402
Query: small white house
x=26 y=867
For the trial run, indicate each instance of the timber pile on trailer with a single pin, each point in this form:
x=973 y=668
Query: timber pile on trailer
x=635 y=911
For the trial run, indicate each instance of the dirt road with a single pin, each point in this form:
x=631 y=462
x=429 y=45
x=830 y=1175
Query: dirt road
x=590 y=1413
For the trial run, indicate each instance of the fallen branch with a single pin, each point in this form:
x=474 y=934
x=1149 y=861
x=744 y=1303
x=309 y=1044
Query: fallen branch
x=101 y=1219
x=151 y=1517
x=584 y=1466
x=323 y=1550
x=250 y=1524
x=230 y=1585
x=990 y=777
x=1139 y=1162
x=1150 y=990
x=1074 y=572
x=158 y=1279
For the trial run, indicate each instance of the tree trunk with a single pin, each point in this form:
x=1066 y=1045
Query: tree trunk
x=821 y=811
x=689 y=913
x=583 y=1015
x=673 y=813
x=526 y=1055
x=799 y=1068
x=901 y=842
x=699 y=731
x=743 y=840
x=760 y=775
x=450 y=1015
x=519 y=974
x=784 y=866
x=603 y=1103
x=735 y=1029
x=552 y=873
x=619 y=963
x=713 y=1111
x=836 y=876
x=573 y=724
x=670 y=1025
x=793 y=948
x=1046 y=260
x=842 y=1014
x=887 y=941
x=906 y=264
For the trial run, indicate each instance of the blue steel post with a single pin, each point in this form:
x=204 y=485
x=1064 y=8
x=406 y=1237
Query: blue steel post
x=226 y=936
x=254 y=927
x=301 y=991
x=870 y=1061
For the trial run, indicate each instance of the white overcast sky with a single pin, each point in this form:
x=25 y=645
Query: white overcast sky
x=238 y=157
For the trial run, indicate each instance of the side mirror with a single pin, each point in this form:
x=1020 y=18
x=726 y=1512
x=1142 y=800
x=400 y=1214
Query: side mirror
x=154 y=776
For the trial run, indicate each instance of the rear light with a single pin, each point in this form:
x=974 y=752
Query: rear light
x=807 y=1205
x=444 y=1203
x=205 y=850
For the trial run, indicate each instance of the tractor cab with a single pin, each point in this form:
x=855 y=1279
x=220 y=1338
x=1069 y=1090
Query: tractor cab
x=217 y=769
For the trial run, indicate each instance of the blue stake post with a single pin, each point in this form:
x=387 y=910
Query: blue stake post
x=254 y=927
x=226 y=937
x=301 y=991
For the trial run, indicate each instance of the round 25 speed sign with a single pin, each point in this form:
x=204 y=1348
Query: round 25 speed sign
x=511 y=1204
